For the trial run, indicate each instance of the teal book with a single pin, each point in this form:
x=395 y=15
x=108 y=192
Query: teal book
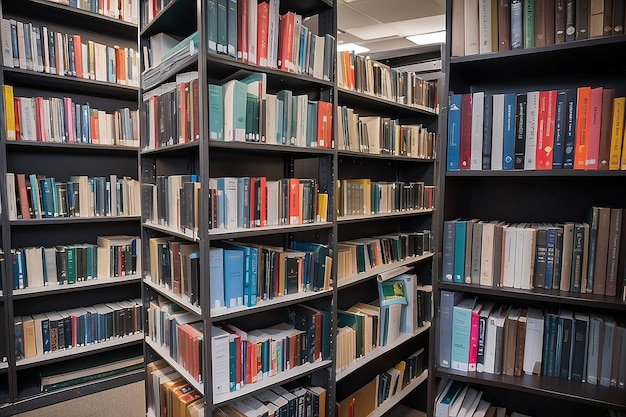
x=216 y=113
x=529 y=23
x=355 y=321
x=222 y=26
x=212 y=25
x=458 y=271
x=461 y=327
x=231 y=47
x=233 y=277
x=280 y=109
x=311 y=129
x=250 y=262
x=319 y=252
x=216 y=273
x=232 y=364
x=234 y=110
x=286 y=97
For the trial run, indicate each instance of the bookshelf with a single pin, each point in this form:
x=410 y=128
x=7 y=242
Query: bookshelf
x=208 y=160
x=535 y=196
x=56 y=153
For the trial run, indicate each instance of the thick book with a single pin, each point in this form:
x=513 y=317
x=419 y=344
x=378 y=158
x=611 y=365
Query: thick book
x=520 y=131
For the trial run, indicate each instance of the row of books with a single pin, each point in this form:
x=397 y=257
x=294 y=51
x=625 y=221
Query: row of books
x=358 y=197
x=171 y=55
x=365 y=75
x=239 y=358
x=503 y=339
x=61 y=120
x=575 y=128
x=382 y=135
x=241 y=110
x=126 y=10
x=362 y=255
x=32 y=47
x=459 y=399
x=579 y=257
x=179 y=332
x=382 y=387
x=249 y=202
x=36 y=196
x=43 y=333
x=168 y=390
x=364 y=327
x=245 y=273
x=482 y=26
x=111 y=257
x=175 y=266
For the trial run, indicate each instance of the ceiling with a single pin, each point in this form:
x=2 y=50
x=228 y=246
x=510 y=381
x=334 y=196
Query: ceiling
x=381 y=25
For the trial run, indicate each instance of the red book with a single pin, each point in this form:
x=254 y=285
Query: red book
x=120 y=65
x=260 y=199
x=324 y=124
x=473 y=346
x=504 y=25
x=294 y=201
x=465 y=143
x=285 y=42
x=182 y=113
x=252 y=189
x=195 y=106
x=69 y=122
x=263 y=17
x=583 y=125
x=78 y=56
x=40 y=125
x=545 y=143
x=20 y=179
x=16 y=113
x=242 y=30
x=595 y=121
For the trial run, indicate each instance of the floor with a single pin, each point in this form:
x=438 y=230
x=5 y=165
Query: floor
x=126 y=401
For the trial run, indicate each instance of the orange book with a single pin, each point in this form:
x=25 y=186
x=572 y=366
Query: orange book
x=545 y=144
x=120 y=65
x=294 y=201
x=593 y=135
x=324 y=124
x=263 y=17
x=41 y=124
x=285 y=42
x=182 y=113
x=78 y=56
x=93 y=126
x=20 y=179
x=583 y=124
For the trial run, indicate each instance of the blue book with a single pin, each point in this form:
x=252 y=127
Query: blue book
x=448 y=300
x=216 y=262
x=111 y=71
x=250 y=264
x=85 y=129
x=569 y=128
x=216 y=113
x=19 y=278
x=73 y=3
x=454 y=132
x=319 y=252
x=231 y=49
x=447 y=268
x=34 y=194
x=211 y=25
x=222 y=26
x=559 y=130
x=28 y=49
x=243 y=202
x=508 y=148
x=45 y=334
x=461 y=328
x=458 y=271
x=311 y=129
x=550 y=254
x=46 y=197
x=233 y=277
x=304 y=34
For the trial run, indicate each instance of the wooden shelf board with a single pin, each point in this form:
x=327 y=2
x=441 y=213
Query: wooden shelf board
x=163 y=353
x=363 y=276
x=546 y=386
x=171 y=231
x=81 y=350
x=177 y=299
x=283 y=377
x=379 y=351
x=391 y=402
x=541 y=294
x=79 y=286
x=277 y=302
x=258 y=231
x=368 y=217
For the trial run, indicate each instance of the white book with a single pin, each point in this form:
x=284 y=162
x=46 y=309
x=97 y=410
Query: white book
x=481 y=410
x=497 y=132
x=270 y=122
x=470 y=24
x=533 y=343
x=100 y=53
x=34 y=266
x=487 y=14
x=594 y=348
x=252 y=31
x=85 y=59
x=59 y=53
x=528 y=257
x=469 y=412
x=509 y=255
x=230 y=201
x=476 y=149
x=487 y=253
x=606 y=356
x=495 y=321
x=7 y=47
x=220 y=340
x=12 y=196
x=21 y=45
x=532 y=113
x=272 y=34
x=463 y=400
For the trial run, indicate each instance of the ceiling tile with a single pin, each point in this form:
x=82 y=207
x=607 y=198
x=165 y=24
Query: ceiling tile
x=348 y=17
x=388 y=11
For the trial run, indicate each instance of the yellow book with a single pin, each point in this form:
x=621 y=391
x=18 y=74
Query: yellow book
x=28 y=326
x=617 y=132
x=9 y=112
x=322 y=207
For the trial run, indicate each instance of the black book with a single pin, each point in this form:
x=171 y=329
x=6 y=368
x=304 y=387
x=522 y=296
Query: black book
x=582 y=19
x=570 y=20
x=486 y=165
x=520 y=131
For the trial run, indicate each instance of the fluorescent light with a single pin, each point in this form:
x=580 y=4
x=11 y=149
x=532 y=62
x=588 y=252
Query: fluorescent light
x=428 y=38
x=358 y=49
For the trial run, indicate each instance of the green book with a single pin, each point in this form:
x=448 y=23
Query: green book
x=222 y=30
x=529 y=23
x=70 y=264
x=212 y=25
x=354 y=320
